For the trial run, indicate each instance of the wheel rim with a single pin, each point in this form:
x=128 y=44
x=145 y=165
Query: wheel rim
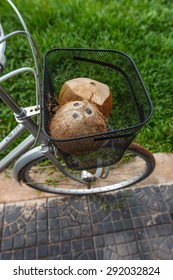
x=133 y=167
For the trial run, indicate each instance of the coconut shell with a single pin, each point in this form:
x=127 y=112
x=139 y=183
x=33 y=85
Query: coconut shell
x=87 y=89
x=76 y=119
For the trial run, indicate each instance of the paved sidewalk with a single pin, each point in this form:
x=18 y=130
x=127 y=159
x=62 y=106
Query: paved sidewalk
x=133 y=224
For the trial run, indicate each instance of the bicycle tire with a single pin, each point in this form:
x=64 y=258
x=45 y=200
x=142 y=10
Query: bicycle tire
x=55 y=182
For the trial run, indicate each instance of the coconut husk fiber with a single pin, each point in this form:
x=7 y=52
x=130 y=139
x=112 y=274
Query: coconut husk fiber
x=76 y=119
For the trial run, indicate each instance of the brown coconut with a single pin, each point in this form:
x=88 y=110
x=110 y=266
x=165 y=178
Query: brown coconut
x=87 y=89
x=76 y=119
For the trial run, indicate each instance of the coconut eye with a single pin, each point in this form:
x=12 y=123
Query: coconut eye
x=76 y=104
x=76 y=115
x=88 y=111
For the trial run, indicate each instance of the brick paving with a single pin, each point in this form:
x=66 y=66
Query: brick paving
x=133 y=224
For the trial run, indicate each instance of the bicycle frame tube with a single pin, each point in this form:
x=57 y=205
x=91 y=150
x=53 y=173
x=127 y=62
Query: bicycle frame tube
x=16 y=153
x=24 y=120
x=26 y=124
x=2 y=50
x=28 y=34
x=16 y=132
x=35 y=53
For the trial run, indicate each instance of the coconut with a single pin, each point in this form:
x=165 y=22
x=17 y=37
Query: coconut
x=87 y=89
x=76 y=119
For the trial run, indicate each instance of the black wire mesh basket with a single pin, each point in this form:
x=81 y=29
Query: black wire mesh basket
x=131 y=109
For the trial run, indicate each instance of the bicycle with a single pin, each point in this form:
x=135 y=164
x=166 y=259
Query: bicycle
x=117 y=163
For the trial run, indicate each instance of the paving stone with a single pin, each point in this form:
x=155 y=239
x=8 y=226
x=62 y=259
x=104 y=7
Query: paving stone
x=130 y=236
x=31 y=239
x=42 y=213
x=118 y=225
x=125 y=213
x=155 y=244
x=7 y=244
x=54 y=236
x=14 y=228
x=31 y=227
x=42 y=237
x=165 y=251
x=52 y=202
x=109 y=239
x=77 y=245
x=19 y=232
x=65 y=247
x=133 y=248
x=65 y=257
x=19 y=241
x=98 y=229
x=31 y=253
x=76 y=232
x=140 y=234
x=1 y=213
x=54 y=249
x=1 y=229
x=99 y=241
x=108 y=227
x=18 y=254
x=137 y=211
x=64 y=222
x=12 y=213
x=100 y=254
x=151 y=232
x=6 y=256
x=42 y=251
x=110 y=254
x=53 y=212
x=147 y=220
x=88 y=244
x=127 y=223
x=164 y=230
x=132 y=201
x=65 y=234
x=136 y=224
x=119 y=238
x=86 y=230
x=53 y=224
x=6 y=231
x=166 y=217
x=88 y=255
x=122 y=250
x=101 y=215
x=116 y=214
x=42 y=225
x=80 y=218
x=144 y=246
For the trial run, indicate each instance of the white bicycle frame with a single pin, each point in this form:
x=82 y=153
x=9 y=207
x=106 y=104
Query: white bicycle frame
x=24 y=155
x=23 y=115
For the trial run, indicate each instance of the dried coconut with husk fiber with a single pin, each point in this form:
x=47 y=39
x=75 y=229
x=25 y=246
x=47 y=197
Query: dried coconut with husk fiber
x=87 y=89
x=76 y=119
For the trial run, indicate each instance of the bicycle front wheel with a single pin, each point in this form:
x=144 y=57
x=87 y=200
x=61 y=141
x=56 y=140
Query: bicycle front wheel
x=39 y=173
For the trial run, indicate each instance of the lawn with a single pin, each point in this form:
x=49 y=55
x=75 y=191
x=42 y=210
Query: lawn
x=142 y=29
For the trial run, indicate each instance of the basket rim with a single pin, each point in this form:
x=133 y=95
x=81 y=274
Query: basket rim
x=137 y=127
x=88 y=49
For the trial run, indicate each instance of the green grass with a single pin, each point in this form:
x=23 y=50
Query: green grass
x=142 y=29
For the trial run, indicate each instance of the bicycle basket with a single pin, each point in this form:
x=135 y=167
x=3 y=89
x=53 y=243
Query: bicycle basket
x=132 y=106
